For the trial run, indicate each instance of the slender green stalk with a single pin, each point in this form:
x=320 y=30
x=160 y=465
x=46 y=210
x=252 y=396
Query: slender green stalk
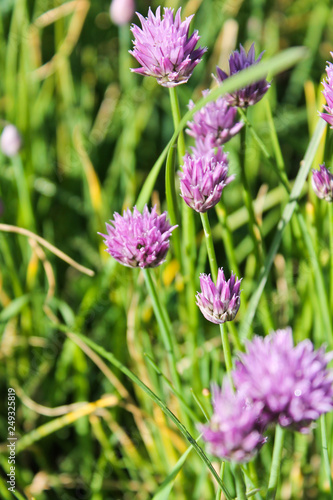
x=227 y=238
x=209 y=244
x=327 y=463
x=188 y=254
x=330 y=223
x=279 y=165
x=176 y=120
x=240 y=485
x=178 y=394
x=124 y=45
x=219 y=491
x=253 y=225
x=25 y=208
x=276 y=462
x=318 y=279
x=112 y=359
x=214 y=271
x=226 y=350
x=164 y=326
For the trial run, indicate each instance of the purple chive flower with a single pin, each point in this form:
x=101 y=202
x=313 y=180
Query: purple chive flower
x=10 y=140
x=213 y=125
x=328 y=94
x=234 y=431
x=122 y=11
x=219 y=303
x=322 y=183
x=293 y=382
x=138 y=240
x=252 y=93
x=203 y=179
x=164 y=49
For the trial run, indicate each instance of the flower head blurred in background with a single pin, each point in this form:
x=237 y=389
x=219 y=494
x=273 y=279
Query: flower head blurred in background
x=122 y=11
x=322 y=183
x=328 y=94
x=293 y=382
x=10 y=140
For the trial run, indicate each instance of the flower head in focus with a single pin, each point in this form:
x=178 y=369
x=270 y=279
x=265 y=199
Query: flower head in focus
x=234 y=431
x=213 y=125
x=164 y=49
x=293 y=382
x=203 y=178
x=328 y=94
x=122 y=11
x=322 y=183
x=10 y=140
x=219 y=303
x=250 y=94
x=138 y=240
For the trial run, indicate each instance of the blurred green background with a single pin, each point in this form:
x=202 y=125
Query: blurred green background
x=91 y=132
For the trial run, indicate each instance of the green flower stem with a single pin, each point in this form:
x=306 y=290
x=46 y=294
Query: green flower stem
x=254 y=229
x=25 y=208
x=278 y=166
x=240 y=485
x=226 y=351
x=214 y=270
x=253 y=225
x=325 y=452
x=163 y=323
x=188 y=228
x=209 y=244
x=227 y=238
x=330 y=223
x=115 y=362
x=276 y=462
x=124 y=42
x=176 y=120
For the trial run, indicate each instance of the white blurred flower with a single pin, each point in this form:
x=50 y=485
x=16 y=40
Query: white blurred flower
x=10 y=140
x=121 y=11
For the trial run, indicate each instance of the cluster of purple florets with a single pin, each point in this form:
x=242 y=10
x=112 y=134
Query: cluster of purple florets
x=274 y=382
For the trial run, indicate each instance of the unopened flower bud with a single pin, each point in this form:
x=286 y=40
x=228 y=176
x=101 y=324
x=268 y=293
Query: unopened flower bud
x=122 y=11
x=10 y=140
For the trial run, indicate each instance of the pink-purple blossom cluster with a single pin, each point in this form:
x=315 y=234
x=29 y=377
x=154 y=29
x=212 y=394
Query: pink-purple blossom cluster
x=251 y=94
x=328 y=94
x=276 y=383
x=138 y=240
x=164 y=48
x=203 y=178
x=219 y=303
x=322 y=183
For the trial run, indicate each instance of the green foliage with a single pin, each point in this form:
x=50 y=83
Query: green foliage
x=97 y=414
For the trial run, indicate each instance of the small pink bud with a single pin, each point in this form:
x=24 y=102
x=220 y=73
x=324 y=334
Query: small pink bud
x=122 y=11
x=10 y=140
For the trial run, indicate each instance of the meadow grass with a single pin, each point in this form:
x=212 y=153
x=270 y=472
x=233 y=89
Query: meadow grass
x=110 y=384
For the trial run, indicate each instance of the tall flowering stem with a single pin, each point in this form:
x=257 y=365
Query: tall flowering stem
x=214 y=271
x=163 y=323
x=324 y=444
x=187 y=215
x=276 y=462
x=253 y=225
x=330 y=223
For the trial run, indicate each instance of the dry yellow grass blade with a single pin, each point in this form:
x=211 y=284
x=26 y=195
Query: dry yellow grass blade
x=25 y=232
x=79 y=10
x=60 y=422
x=92 y=179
